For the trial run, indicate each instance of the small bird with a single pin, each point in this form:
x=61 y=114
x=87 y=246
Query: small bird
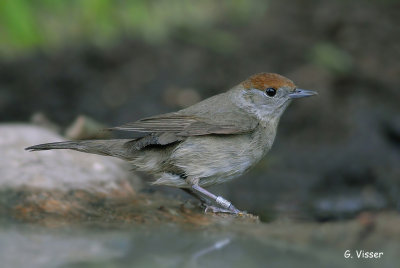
x=208 y=143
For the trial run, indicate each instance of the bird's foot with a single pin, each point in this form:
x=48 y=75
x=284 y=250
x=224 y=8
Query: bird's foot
x=216 y=209
x=223 y=205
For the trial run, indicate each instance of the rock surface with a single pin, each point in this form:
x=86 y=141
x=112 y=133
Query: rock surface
x=60 y=170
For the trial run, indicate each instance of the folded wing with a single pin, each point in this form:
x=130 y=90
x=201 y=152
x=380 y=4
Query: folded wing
x=183 y=125
x=210 y=116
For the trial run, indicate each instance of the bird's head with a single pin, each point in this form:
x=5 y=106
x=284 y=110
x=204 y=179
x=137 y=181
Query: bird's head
x=267 y=94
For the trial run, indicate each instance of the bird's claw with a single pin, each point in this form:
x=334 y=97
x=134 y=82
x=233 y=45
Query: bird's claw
x=215 y=209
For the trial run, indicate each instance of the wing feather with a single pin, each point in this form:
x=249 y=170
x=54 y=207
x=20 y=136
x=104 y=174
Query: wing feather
x=181 y=125
x=210 y=116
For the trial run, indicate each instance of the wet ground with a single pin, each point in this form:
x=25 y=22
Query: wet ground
x=169 y=238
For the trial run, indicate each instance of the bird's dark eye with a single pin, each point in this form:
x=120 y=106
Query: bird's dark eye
x=270 y=91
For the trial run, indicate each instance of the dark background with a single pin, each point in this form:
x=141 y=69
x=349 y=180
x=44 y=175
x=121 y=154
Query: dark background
x=336 y=154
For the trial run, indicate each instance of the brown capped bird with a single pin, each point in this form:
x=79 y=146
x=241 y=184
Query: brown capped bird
x=209 y=143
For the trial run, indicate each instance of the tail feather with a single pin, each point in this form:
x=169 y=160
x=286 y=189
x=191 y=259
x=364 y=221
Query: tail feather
x=121 y=148
x=53 y=145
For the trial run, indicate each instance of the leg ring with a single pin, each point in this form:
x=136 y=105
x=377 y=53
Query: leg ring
x=223 y=202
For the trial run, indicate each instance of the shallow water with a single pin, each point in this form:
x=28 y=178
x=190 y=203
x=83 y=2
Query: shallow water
x=24 y=246
x=91 y=244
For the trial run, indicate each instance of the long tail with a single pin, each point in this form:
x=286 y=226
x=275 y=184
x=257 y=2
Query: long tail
x=121 y=148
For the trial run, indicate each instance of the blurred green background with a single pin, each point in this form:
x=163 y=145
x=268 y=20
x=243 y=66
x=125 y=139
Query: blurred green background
x=43 y=24
x=117 y=61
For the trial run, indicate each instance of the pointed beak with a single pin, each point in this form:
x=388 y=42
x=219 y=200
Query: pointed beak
x=301 y=93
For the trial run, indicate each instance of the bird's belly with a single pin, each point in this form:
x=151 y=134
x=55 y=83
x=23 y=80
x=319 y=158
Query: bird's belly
x=216 y=159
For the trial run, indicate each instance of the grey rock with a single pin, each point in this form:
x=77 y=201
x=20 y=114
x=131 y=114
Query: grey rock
x=55 y=170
